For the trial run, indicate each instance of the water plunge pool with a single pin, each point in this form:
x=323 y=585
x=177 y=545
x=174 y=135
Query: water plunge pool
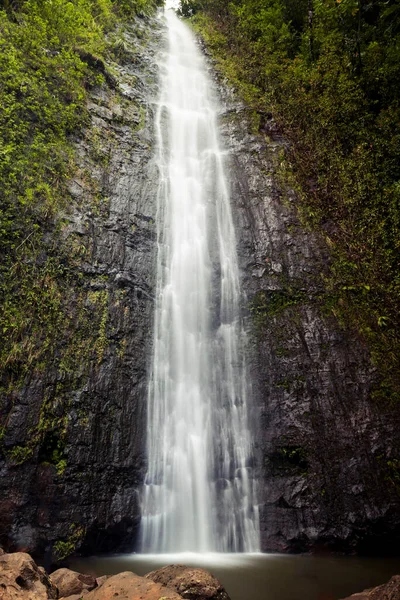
x=262 y=576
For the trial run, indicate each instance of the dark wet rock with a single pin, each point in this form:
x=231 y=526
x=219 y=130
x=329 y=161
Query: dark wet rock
x=79 y=488
x=191 y=583
x=387 y=591
x=324 y=445
x=70 y=582
x=128 y=586
x=22 y=579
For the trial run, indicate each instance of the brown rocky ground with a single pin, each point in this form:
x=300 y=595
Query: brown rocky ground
x=22 y=579
x=191 y=583
x=387 y=591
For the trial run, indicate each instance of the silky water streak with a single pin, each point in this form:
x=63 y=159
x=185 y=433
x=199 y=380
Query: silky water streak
x=199 y=492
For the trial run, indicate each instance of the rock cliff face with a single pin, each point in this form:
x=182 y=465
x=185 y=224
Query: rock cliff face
x=328 y=453
x=80 y=484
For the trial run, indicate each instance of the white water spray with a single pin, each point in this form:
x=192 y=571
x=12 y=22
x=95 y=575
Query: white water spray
x=199 y=493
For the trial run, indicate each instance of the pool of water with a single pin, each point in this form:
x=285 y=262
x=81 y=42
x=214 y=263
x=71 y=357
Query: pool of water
x=262 y=576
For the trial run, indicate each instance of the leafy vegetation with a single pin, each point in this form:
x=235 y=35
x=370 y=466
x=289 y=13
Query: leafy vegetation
x=329 y=72
x=64 y=548
x=273 y=302
x=51 y=53
x=287 y=460
x=51 y=451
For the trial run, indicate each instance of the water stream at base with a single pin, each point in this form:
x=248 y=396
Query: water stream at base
x=263 y=576
x=199 y=493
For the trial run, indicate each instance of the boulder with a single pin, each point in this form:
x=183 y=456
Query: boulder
x=128 y=586
x=387 y=591
x=70 y=582
x=22 y=579
x=190 y=583
x=102 y=579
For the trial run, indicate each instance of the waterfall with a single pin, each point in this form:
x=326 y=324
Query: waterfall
x=199 y=492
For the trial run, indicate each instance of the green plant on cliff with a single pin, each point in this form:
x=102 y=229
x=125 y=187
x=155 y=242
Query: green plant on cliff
x=51 y=54
x=64 y=548
x=329 y=72
x=20 y=454
x=287 y=460
x=274 y=302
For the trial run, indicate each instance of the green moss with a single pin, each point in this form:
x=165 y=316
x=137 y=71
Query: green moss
x=52 y=449
x=334 y=95
x=285 y=384
x=142 y=120
x=282 y=352
x=19 y=454
x=99 y=301
x=64 y=548
x=97 y=150
x=122 y=348
x=293 y=383
x=49 y=58
x=267 y=304
x=288 y=460
x=393 y=473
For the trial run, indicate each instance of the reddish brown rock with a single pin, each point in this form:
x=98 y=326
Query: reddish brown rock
x=190 y=583
x=70 y=582
x=22 y=579
x=128 y=586
x=101 y=580
x=387 y=591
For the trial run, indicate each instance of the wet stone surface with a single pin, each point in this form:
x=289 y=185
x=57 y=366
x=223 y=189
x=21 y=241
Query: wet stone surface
x=91 y=499
x=323 y=444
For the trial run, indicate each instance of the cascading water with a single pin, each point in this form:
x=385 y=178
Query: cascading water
x=199 y=493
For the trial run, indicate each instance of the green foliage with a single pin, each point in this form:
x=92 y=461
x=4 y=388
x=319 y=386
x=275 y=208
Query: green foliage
x=329 y=70
x=128 y=8
x=188 y=8
x=20 y=454
x=51 y=54
x=270 y=303
x=64 y=548
x=391 y=469
x=287 y=461
x=99 y=300
x=52 y=450
x=394 y=472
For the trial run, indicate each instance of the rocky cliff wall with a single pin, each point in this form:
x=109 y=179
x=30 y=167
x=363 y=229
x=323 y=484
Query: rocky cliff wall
x=328 y=452
x=72 y=456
